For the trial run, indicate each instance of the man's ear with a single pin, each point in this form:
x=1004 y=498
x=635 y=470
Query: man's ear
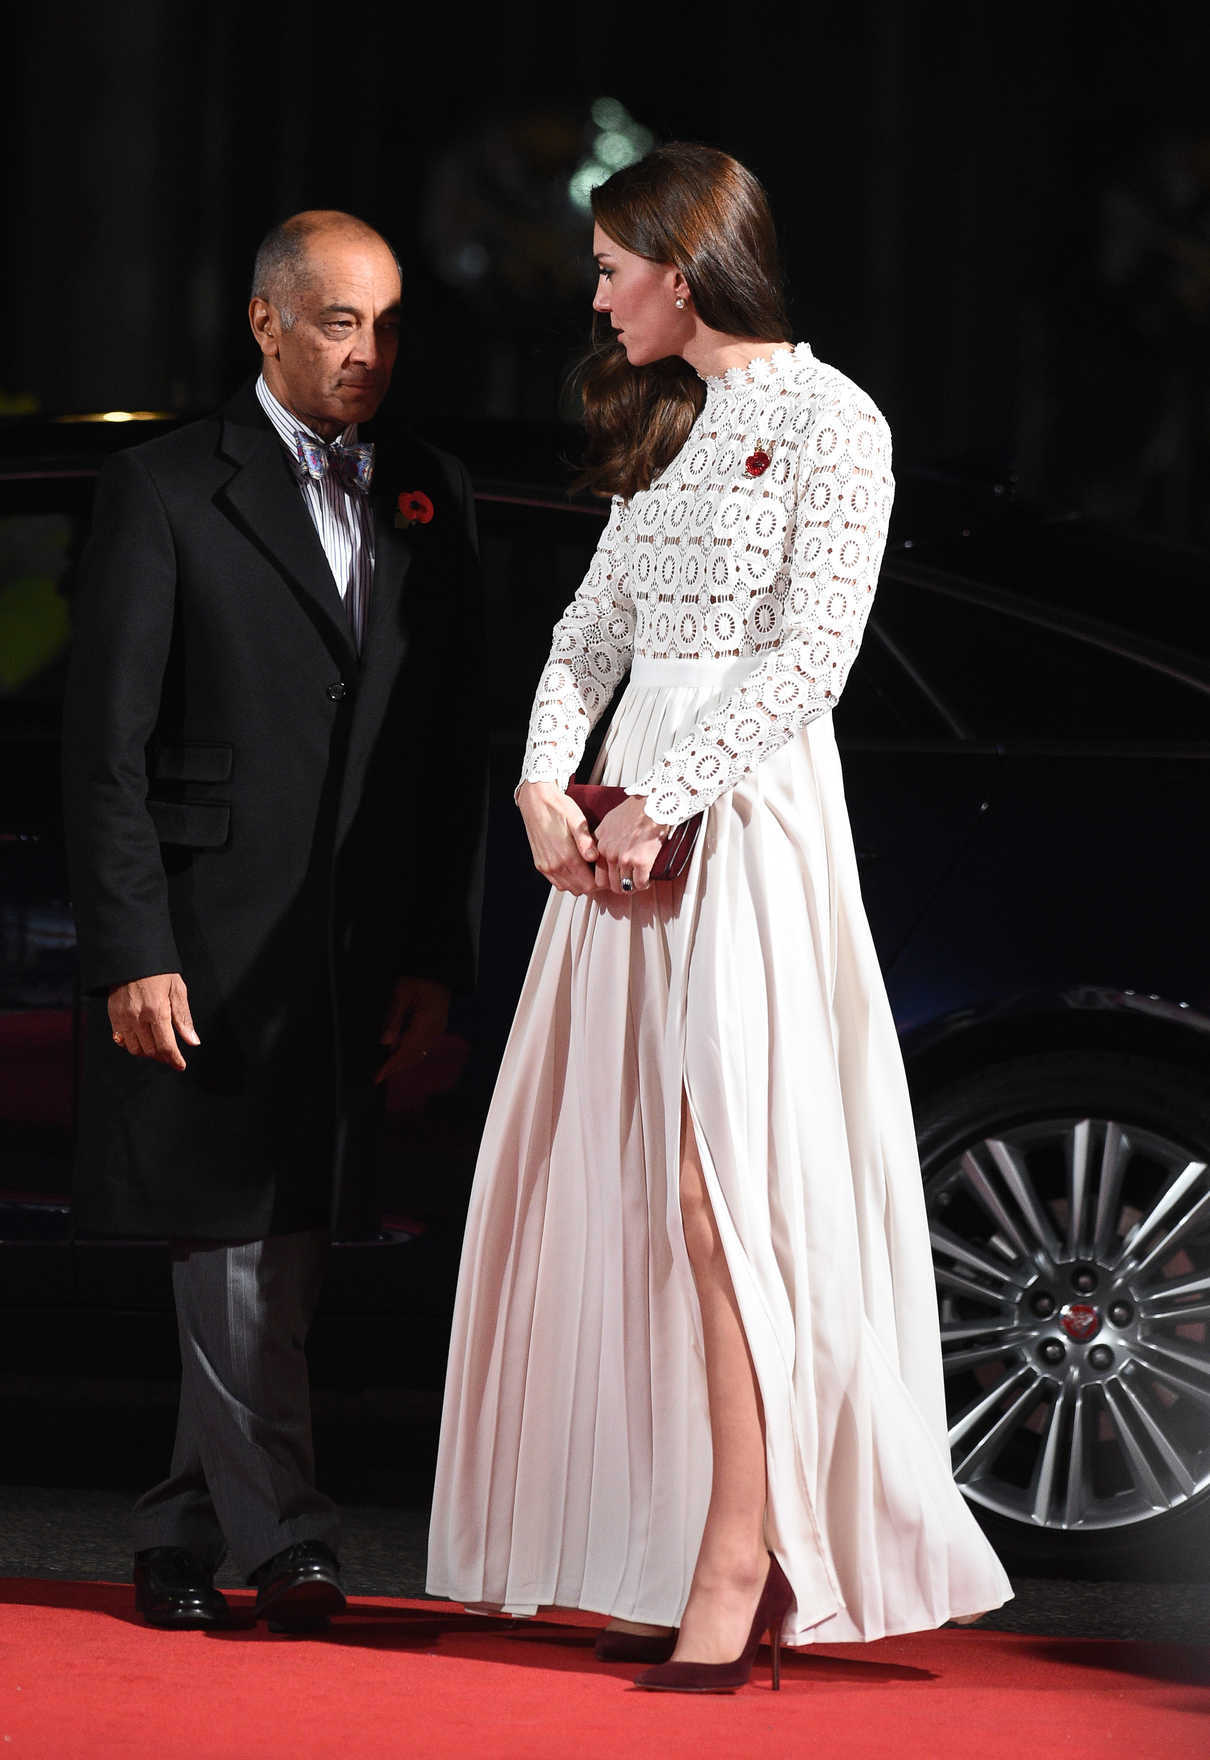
x=265 y=324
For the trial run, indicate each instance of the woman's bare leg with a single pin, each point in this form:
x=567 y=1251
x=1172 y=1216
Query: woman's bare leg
x=733 y=1560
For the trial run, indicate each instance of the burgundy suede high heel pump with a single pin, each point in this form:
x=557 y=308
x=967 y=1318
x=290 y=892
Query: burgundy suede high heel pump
x=776 y=1599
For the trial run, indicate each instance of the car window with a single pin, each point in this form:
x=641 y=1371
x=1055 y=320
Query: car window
x=931 y=666
x=1004 y=678
x=42 y=526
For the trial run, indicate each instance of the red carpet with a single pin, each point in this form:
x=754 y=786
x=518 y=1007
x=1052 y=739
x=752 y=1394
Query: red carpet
x=80 y=1680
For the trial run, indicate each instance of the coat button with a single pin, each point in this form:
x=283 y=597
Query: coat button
x=338 y=689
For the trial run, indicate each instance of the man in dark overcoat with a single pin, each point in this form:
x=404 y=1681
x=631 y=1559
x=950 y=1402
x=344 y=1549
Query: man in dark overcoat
x=274 y=762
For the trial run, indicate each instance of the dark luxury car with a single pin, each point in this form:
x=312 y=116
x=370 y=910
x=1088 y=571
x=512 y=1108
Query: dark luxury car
x=1025 y=741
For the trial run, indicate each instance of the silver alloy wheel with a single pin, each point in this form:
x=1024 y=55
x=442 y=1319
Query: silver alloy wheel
x=1072 y=1260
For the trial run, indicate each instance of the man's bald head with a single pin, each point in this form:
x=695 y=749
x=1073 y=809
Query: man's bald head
x=284 y=266
x=325 y=315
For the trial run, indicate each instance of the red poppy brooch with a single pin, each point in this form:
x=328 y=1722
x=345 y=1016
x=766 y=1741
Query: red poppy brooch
x=757 y=462
x=413 y=508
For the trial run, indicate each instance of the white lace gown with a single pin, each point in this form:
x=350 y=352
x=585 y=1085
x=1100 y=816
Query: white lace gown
x=575 y=1458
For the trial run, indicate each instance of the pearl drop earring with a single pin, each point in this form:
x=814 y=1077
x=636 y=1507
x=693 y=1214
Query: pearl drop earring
x=680 y=305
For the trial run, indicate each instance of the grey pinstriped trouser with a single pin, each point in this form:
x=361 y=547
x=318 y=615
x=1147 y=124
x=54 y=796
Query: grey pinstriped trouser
x=243 y=1470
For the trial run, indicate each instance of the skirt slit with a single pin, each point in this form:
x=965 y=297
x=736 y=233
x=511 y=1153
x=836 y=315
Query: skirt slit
x=797 y=1545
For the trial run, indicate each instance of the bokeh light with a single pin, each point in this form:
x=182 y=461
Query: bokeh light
x=620 y=141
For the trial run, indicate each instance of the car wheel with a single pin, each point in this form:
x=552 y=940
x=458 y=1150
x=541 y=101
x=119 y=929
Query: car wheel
x=1069 y=1207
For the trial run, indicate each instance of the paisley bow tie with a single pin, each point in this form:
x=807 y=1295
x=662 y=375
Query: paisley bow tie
x=354 y=465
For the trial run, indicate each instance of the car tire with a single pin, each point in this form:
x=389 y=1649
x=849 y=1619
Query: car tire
x=1069 y=1204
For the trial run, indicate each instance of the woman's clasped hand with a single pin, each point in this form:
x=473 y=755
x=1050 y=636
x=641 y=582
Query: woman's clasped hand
x=624 y=847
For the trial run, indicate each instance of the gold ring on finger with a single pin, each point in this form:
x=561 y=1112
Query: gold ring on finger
x=118 y=1039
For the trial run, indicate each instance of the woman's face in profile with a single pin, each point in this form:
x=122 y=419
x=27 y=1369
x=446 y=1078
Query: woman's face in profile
x=639 y=298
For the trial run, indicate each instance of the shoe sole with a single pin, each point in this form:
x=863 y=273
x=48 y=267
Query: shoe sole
x=196 y=1618
x=716 y=1690
x=185 y=1623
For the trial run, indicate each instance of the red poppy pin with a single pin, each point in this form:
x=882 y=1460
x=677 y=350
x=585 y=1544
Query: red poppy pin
x=413 y=508
x=757 y=463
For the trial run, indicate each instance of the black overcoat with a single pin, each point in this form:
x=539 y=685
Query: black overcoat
x=249 y=803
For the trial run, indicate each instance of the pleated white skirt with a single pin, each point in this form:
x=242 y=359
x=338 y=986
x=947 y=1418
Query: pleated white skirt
x=575 y=1460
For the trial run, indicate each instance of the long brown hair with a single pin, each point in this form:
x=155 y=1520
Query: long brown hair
x=705 y=212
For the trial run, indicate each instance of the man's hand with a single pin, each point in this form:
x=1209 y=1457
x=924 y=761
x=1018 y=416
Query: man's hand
x=149 y=1016
x=415 y=1021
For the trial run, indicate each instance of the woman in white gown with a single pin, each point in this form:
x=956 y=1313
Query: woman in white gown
x=695 y=1377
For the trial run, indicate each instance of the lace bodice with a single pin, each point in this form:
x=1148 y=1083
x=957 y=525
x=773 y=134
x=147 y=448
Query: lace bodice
x=712 y=562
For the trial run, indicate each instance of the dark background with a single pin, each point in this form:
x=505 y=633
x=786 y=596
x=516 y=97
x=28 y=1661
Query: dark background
x=995 y=218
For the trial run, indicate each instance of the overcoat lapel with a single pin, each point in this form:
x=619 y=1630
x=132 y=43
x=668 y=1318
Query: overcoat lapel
x=392 y=559
x=385 y=639
x=263 y=497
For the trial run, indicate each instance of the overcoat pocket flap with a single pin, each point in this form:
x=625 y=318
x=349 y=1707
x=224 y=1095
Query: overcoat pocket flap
x=196 y=824
x=192 y=763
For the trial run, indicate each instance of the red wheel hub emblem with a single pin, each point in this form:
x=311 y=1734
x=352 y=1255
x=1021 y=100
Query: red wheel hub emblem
x=1080 y=1321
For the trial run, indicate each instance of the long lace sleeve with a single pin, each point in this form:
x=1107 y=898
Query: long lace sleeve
x=825 y=582
x=589 y=656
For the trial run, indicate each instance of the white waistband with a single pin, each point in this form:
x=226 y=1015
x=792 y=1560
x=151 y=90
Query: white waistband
x=707 y=674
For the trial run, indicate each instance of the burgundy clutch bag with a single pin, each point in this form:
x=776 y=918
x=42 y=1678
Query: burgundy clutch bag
x=594 y=801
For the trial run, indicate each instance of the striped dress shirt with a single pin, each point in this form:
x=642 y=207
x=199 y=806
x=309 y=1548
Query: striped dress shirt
x=341 y=516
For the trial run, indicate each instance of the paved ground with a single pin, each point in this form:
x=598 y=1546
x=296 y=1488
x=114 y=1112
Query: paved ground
x=64 y=1531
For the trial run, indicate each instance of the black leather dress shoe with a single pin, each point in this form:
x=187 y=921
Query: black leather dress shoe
x=172 y=1590
x=297 y=1589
